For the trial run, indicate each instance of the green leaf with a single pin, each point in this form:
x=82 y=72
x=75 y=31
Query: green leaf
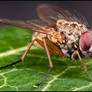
x=65 y=76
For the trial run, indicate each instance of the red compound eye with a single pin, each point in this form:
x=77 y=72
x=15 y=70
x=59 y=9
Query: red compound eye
x=86 y=40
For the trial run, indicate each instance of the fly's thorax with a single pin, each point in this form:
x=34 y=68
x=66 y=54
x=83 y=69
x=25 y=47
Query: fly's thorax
x=57 y=37
x=71 y=29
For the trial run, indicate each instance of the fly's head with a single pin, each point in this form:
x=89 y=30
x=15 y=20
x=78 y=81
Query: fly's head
x=85 y=43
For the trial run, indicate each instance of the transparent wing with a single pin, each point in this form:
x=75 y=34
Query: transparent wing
x=50 y=14
x=35 y=25
x=80 y=18
x=38 y=25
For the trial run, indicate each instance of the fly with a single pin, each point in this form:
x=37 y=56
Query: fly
x=59 y=32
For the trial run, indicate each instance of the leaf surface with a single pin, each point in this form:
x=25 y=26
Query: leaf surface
x=65 y=76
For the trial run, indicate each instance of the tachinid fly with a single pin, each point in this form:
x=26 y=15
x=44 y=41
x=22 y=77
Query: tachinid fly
x=59 y=32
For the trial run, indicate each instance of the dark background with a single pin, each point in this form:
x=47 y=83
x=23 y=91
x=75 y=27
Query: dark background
x=27 y=9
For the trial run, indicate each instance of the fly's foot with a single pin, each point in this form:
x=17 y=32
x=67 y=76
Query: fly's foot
x=36 y=85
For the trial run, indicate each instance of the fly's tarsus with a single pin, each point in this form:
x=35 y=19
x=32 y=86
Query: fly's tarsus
x=3 y=67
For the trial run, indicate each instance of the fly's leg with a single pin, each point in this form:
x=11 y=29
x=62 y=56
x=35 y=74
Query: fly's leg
x=50 y=63
x=3 y=67
x=50 y=47
x=23 y=57
x=82 y=62
x=28 y=48
x=54 y=49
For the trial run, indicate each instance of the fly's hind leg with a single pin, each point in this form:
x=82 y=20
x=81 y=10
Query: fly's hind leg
x=49 y=46
x=30 y=45
x=23 y=57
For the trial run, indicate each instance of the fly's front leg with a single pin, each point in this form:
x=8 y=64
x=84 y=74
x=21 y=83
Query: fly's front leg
x=82 y=62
